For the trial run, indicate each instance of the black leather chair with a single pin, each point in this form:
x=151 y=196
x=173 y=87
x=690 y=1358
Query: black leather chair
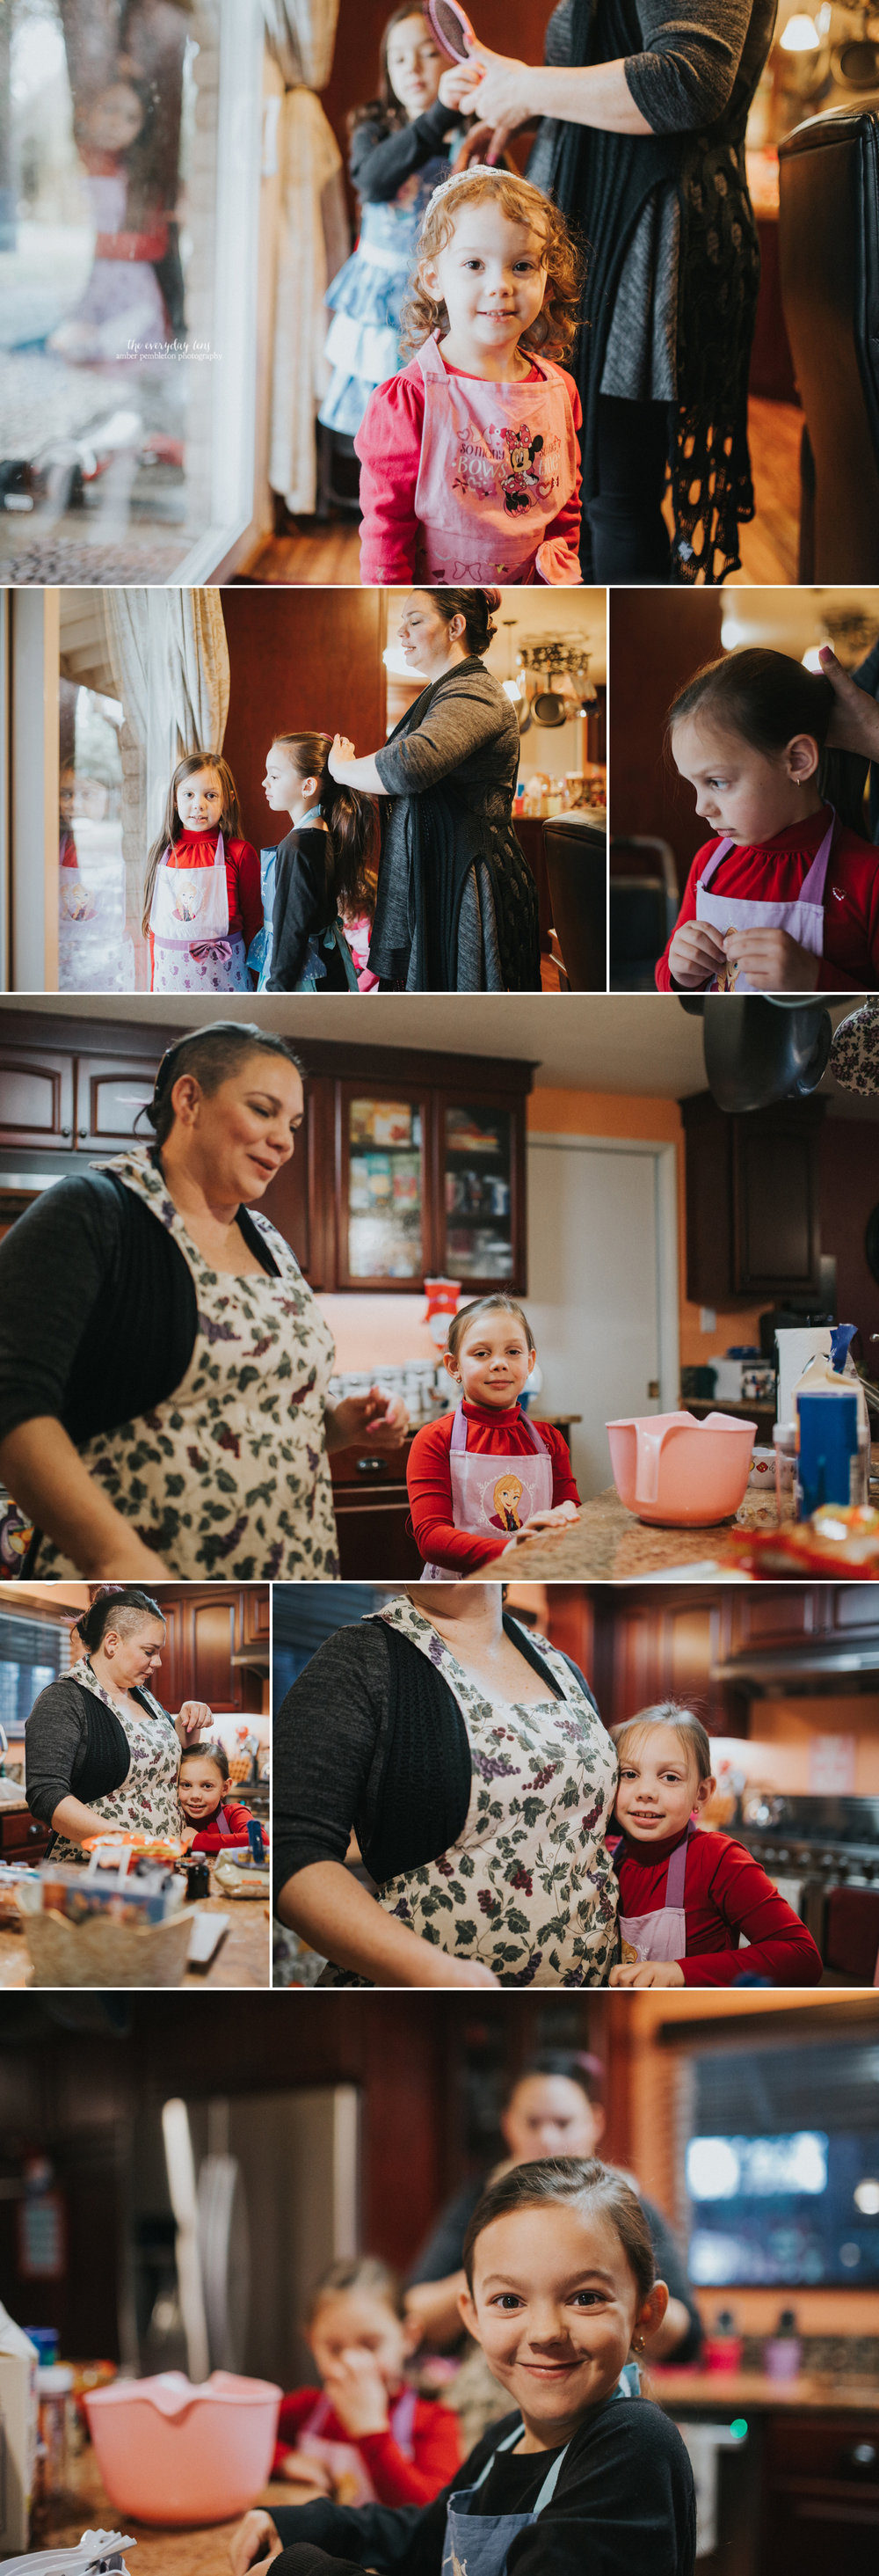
x=644 y=906
x=576 y=868
x=829 y=266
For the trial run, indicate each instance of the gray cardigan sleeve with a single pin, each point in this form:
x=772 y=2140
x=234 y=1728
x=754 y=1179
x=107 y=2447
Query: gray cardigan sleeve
x=327 y=1734
x=54 y=1738
x=53 y=1265
x=685 y=76
x=463 y=716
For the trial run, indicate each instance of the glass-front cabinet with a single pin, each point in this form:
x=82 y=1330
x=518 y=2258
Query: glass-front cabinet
x=383 y=1202
x=477 y=1192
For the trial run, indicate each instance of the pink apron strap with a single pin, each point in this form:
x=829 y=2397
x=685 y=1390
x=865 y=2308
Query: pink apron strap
x=677 y=1873
x=320 y=2414
x=714 y=861
x=223 y=1826
x=402 y=2422
x=458 y=1439
x=813 y=887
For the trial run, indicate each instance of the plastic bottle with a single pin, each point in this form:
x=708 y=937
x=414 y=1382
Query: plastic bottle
x=783 y=2353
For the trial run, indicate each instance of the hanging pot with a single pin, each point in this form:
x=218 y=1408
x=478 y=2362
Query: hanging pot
x=549 y=708
x=760 y=1048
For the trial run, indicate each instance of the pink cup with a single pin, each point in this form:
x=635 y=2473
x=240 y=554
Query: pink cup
x=667 y=1467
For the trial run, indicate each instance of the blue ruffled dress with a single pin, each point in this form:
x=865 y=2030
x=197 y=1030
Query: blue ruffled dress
x=395 y=174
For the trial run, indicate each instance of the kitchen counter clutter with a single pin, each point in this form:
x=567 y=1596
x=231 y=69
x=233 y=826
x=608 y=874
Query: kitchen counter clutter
x=729 y=2392
x=241 y=1957
x=607 y=1544
x=162 y=2549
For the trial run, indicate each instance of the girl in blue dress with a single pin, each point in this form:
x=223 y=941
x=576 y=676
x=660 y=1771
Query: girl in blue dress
x=398 y=157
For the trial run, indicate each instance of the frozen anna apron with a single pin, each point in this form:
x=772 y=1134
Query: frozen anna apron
x=498 y=462
x=189 y=921
x=494 y=1490
x=529 y=1888
x=146 y=1802
x=352 y=2484
x=229 y=1475
x=803 y=919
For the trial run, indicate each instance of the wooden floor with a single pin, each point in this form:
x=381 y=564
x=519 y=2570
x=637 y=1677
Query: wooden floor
x=331 y=555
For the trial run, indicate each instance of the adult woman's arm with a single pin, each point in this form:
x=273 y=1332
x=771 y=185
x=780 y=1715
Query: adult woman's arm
x=680 y=80
x=46 y=1476
x=54 y=1739
x=328 y=1906
x=77 y=1822
x=374 y=1422
x=466 y=712
x=854 y=722
x=348 y=771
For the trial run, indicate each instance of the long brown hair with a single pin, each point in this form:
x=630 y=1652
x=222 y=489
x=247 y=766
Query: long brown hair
x=385 y=109
x=230 y=819
x=348 y=816
x=553 y=330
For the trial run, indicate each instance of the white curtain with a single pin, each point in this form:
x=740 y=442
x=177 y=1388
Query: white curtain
x=169 y=653
x=312 y=239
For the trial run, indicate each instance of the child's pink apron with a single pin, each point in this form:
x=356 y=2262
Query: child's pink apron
x=803 y=919
x=498 y=462
x=662 y=1934
x=484 y=1496
x=189 y=920
x=343 y=2459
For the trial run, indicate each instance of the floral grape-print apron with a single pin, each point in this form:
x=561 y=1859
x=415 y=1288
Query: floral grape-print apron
x=146 y=1802
x=529 y=1889
x=229 y=1475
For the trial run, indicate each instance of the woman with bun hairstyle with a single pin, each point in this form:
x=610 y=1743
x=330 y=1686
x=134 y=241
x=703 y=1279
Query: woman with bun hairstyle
x=457 y=903
x=163 y=1364
x=99 y=1748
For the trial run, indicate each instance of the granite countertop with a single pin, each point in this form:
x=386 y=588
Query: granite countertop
x=737 y=2389
x=242 y=1959
x=162 y=2549
x=608 y=1544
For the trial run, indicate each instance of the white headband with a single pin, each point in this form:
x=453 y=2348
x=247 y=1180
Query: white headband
x=478 y=170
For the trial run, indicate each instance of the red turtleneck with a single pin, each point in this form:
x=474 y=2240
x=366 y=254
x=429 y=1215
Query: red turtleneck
x=727 y=1898
x=775 y=873
x=429 y=1479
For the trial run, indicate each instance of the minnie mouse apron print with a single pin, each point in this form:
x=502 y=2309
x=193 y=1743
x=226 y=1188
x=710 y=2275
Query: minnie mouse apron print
x=803 y=919
x=498 y=462
x=496 y=1490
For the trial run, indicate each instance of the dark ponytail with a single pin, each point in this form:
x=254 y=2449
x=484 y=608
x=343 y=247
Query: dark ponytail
x=767 y=698
x=349 y=818
x=121 y=1606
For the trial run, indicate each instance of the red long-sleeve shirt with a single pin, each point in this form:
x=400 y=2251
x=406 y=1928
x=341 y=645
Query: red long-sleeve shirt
x=388 y=444
x=198 y=850
x=776 y=873
x=429 y=1479
x=436 y=2441
x=727 y=1894
x=210 y=1839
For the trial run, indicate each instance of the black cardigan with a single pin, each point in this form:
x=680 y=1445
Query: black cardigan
x=74 y=1745
x=98 y=1310
x=394 y=1761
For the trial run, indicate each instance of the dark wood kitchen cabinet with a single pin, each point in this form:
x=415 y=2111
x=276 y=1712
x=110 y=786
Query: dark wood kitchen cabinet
x=752 y=1201
x=36 y=1098
x=820 y=2496
x=78 y=1097
x=206 y=1624
x=648 y=1650
x=110 y=1094
x=23 y=1837
x=372 y=1515
x=403 y=1171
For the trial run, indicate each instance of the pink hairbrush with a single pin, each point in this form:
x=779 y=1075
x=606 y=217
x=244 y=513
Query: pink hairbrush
x=452 y=28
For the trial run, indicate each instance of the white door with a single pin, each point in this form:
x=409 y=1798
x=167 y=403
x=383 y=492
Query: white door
x=600 y=1268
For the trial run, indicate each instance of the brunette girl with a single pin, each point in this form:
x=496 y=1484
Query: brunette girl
x=583 y=2473
x=320 y=869
x=217 y=1822
x=483 y=1473
x=783 y=896
x=689 y=1899
x=397 y=156
x=202 y=903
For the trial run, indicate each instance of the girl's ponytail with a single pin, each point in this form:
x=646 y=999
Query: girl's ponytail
x=349 y=818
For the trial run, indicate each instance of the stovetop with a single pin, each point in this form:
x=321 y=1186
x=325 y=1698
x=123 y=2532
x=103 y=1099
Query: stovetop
x=814 y=1834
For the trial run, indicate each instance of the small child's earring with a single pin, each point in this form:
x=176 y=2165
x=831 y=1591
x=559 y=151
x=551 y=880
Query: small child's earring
x=639 y=2343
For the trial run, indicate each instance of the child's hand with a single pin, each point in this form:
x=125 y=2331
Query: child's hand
x=697 y=954
x=649 y=1972
x=357 y=2391
x=340 y=755
x=300 y=2471
x=772 y=961
x=257 y=2533
x=549 y=1519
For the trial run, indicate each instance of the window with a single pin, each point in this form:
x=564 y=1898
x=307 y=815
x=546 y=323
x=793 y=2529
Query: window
x=129 y=190
x=774 y=2198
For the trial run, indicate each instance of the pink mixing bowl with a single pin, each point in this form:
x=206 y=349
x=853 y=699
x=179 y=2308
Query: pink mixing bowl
x=169 y=2451
x=669 y=1467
